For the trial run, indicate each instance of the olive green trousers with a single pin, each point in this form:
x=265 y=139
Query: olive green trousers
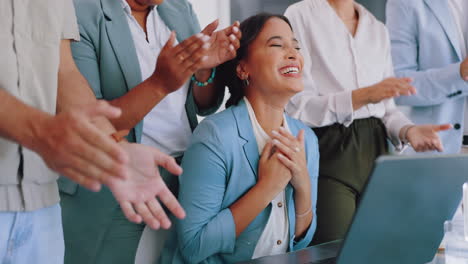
x=347 y=156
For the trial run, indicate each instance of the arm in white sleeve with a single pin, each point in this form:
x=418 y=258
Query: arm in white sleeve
x=393 y=119
x=309 y=106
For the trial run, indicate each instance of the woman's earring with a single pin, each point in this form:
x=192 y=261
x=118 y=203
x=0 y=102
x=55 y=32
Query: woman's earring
x=246 y=82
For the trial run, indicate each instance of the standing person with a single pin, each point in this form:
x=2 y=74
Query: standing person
x=429 y=44
x=52 y=123
x=250 y=173
x=125 y=54
x=347 y=99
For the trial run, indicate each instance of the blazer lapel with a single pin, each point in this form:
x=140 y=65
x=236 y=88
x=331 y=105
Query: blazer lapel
x=245 y=130
x=121 y=41
x=289 y=191
x=167 y=14
x=443 y=14
x=171 y=14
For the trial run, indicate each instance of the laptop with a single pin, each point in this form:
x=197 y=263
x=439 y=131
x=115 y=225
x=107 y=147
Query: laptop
x=401 y=214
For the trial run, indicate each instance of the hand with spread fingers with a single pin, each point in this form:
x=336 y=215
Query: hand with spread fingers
x=291 y=152
x=140 y=194
x=390 y=88
x=223 y=44
x=386 y=89
x=176 y=64
x=424 y=137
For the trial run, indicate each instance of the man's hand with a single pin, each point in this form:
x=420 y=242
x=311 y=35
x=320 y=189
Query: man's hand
x=137 y=194
x=73 y=146
x=224 y=44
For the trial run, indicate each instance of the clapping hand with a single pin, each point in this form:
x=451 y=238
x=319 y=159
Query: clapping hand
x=176 y=64
x=386 y=89
x=73 y=146
x=140 y=194
x=223 y=44
x=390 y=88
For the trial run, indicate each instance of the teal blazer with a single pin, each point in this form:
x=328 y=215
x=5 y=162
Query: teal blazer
x=220 y=166
x=106 y=55
x=95 y=229
x=425 y=47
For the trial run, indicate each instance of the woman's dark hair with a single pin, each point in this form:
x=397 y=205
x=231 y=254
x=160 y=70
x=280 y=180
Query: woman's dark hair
x=250 y=28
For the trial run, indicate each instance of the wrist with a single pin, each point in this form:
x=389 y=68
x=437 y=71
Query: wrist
x=205 y=81
x=265 y=195
x=360 y=97
x=303 y=203
x=156 y=87
x=36 y=125
x=269 y=189
x=302 y=192
x=404 y=133
x=203 y=75
x=304 y=214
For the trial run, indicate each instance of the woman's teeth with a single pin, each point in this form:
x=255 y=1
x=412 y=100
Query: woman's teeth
x=289 y=70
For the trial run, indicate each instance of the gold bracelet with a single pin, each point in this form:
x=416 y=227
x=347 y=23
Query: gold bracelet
x=304 y=214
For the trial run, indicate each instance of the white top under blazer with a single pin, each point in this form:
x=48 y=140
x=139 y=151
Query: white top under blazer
x=336 y=63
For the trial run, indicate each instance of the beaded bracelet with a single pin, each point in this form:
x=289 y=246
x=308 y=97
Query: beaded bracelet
x=203 y=84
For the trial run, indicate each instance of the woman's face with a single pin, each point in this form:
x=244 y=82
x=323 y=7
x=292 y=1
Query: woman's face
x=274 y=63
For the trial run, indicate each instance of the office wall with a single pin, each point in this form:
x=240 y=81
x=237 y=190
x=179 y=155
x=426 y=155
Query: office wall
x=377 y=7
x=209 y=10
x=241 y=9
x=230 y=10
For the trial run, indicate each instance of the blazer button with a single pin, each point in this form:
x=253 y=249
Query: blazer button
x=280 y=204
x=279 y=242
x=457 y=126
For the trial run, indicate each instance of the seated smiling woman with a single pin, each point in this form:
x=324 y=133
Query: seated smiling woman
x=250 y=175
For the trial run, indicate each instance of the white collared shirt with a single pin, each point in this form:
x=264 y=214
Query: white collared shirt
x=336 y=63
x=459 y=9
x=166 y=126
x=275 y=237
